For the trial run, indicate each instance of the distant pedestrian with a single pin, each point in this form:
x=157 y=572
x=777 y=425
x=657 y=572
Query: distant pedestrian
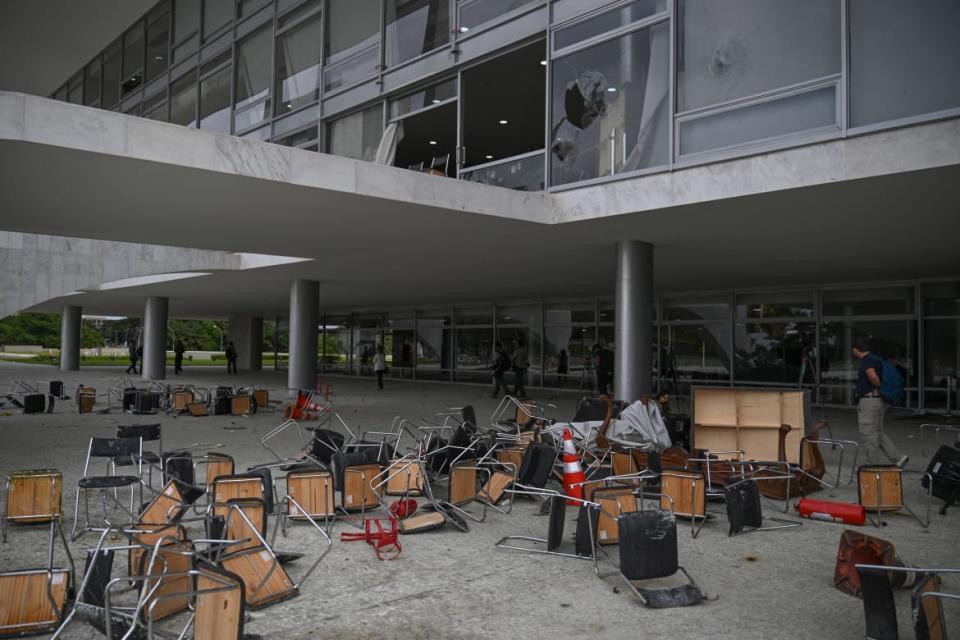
x=178 y=351
x=603 y=363
x=231 y=353
x=521 y=362
x=132 y=351
x=379 y=366
x=871 y=407
x=563 y=365
x=501 y=363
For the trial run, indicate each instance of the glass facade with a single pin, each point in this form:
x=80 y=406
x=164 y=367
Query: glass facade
x=414 y=27
x=356 y=135
x=635 y=87
x=764 y=338
x=298 y=66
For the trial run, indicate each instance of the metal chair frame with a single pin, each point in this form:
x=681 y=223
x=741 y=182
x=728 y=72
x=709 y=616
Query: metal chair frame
x=104 y=494
x=549 y=494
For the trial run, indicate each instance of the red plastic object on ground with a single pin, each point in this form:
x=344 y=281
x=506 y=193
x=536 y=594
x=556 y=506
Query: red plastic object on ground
x=829 y=511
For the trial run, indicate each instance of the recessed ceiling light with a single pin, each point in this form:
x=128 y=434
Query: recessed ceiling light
x=611 y=89
x=433 y=142
x=543 y=63
x=289 y=106
x=435 y=101
x=464 y=29
x=489 y=157
x=503 y=122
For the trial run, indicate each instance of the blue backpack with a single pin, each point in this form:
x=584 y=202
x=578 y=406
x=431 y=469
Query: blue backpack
x=891 y=383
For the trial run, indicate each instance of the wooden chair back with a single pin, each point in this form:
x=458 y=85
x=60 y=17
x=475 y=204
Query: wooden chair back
x=218 y=464
x=688 y=491
x=928 y=612
x=172 y=558
x=404 y=478
x=24 y=605
x=182 y=399
x=34 y=495
x=230 y=487
x=613 y=502
x=357 y=493
x=463 y=483
x=313 y=490
x=513 y=455
x=880 y=488
x=241 y=405
x=265 y=580
x=236 y=528
x=218 y=613
x=148 y=536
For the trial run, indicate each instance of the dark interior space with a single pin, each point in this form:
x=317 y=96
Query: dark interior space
x=503 y=106
x=429 y=137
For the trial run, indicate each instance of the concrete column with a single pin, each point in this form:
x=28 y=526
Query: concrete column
x=247 y=336
x=633 y=358
x=70 y=338
x=154 y=365
x=304 y=315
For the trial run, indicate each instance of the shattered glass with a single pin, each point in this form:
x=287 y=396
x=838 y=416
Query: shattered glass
x=610 y=107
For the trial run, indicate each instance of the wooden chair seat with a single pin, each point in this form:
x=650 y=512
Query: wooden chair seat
x=313 y=490
x=496 y=486
x=613 y=502
x=421 y=522
x=404 y=478
x=880 y=488
x=219 y=611
x=357 y=493
x=172 y=558
x=265 y=580
x=688 y=491
x=34 y=495
x=24 y=605
x=462 y=483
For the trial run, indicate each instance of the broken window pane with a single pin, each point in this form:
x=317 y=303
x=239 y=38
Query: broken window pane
x=737 y=48
x=610 y=107
x=902 y=56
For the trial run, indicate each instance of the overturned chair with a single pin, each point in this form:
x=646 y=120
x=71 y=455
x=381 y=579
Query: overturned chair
x=585 y=545
x=880 y=611
x=648 y=551
x=35 y=601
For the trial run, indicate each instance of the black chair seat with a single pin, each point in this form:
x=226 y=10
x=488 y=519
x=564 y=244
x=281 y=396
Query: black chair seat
x=106 y=482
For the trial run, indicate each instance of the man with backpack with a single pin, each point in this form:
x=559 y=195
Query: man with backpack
x=877 y=384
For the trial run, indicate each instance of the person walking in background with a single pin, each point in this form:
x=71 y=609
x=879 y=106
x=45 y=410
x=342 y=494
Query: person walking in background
x=521 y=362
x=871 y=408
x=603 y=363
x=231 y=353
x=132 y=351
x=379 y=366
x=178 y=350
x=563 y=365
x=501 y=362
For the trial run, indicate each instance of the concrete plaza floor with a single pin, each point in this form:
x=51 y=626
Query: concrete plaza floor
x=447 y=584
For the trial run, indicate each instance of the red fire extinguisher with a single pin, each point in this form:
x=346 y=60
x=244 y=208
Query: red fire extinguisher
x=832 y=511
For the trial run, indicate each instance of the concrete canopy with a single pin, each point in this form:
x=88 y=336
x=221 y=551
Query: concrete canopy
x=882 y=206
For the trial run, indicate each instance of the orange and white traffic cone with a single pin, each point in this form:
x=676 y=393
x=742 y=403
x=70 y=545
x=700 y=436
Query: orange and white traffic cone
x=572 y=471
